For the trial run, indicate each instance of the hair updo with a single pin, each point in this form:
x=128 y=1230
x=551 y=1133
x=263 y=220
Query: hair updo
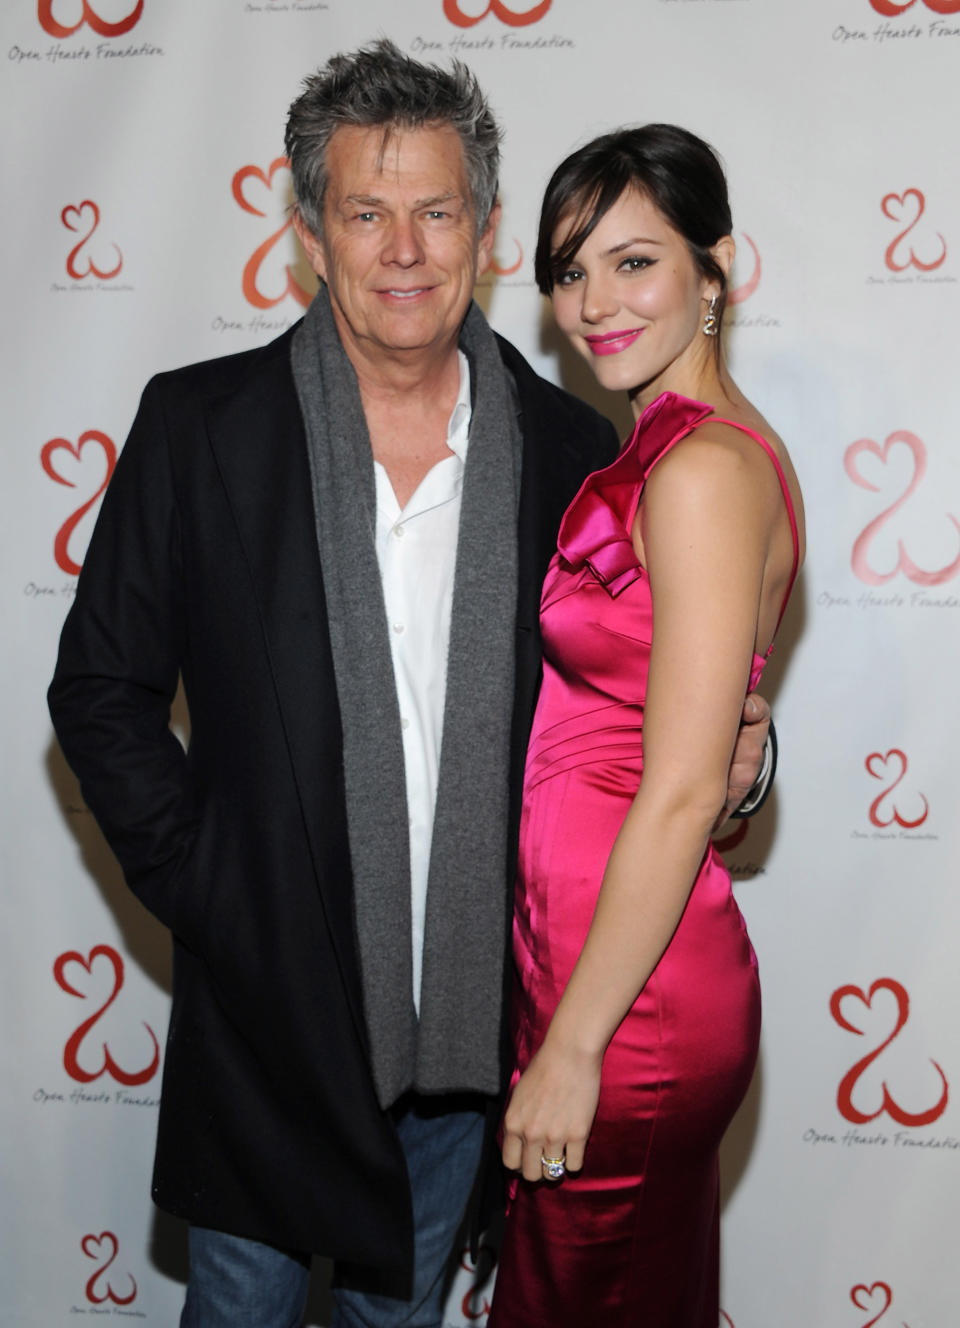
x=677 y=171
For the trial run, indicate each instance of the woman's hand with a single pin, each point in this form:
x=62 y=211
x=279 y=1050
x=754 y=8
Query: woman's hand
x=551 y=1111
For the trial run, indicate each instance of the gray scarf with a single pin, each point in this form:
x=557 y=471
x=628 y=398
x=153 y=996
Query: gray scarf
x=455 y=1044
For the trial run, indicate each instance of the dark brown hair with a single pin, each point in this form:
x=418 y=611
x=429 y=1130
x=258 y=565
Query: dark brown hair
x=678 y=172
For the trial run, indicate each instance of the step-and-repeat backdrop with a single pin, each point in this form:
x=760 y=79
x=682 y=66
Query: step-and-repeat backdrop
x=145 y=223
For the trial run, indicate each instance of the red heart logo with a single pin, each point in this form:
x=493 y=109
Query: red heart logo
x=857 y=993
x=251 y=272
x=875 y=759
x=864 y=1299
x=60 y=550
x=894 y=206
x=71 y=1052
x=72 y=217
x=246 y=173
x=75 y=450
x=72 y=211
x=87 y=15
x=75 y=957
x=848 y=1083
x=92 y=1245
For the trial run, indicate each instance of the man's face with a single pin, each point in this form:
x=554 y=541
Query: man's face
x=400 y=252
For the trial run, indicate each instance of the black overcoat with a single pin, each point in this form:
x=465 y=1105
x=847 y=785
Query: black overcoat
x=204 y=564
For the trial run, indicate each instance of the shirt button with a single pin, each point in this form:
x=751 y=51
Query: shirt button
x=399 y=628
x=398 y=531
x=404 y=723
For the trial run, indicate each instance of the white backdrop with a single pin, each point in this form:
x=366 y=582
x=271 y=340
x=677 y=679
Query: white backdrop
x=145 y=227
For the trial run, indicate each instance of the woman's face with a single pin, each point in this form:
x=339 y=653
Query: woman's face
x=632 y=301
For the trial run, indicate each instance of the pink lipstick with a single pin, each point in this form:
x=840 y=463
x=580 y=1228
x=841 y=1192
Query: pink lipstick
x=611 y=343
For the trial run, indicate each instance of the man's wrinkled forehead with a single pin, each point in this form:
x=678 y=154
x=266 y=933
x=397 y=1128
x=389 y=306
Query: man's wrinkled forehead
x=390 y=165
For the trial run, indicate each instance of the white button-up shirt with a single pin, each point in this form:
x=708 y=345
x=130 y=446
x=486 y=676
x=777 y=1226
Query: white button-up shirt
x=417 y=550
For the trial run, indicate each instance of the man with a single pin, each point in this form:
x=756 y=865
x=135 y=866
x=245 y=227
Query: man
x=338 y=540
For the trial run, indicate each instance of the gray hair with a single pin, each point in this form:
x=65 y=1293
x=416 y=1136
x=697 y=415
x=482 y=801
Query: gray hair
x=380 y=86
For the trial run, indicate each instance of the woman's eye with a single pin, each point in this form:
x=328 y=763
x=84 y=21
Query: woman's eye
x=568 y=278
x=635 y=263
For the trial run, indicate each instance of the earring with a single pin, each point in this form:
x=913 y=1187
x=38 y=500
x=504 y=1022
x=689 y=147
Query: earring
x=711 y=323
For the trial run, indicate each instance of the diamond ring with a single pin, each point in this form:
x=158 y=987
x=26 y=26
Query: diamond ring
x=554 y=1168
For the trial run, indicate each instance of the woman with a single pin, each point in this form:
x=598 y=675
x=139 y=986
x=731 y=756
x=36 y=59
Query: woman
x=637 y=1014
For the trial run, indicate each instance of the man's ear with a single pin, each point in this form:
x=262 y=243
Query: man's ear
x=313 y=247
x=488 y=237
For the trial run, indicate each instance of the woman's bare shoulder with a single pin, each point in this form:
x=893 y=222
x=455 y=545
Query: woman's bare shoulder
x=742 y=416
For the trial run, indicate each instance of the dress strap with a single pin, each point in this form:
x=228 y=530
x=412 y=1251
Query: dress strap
x=788 y=501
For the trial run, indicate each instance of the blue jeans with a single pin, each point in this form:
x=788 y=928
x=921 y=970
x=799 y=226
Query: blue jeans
x=239 y=1283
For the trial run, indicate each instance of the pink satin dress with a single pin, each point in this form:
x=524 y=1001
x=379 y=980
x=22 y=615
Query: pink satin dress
x=634 y=1238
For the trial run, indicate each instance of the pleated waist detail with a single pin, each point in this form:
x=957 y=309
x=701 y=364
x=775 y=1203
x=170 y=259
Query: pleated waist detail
x=611 y=736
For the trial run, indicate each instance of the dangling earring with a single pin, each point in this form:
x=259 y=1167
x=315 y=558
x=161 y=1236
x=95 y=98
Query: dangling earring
x=711 y=323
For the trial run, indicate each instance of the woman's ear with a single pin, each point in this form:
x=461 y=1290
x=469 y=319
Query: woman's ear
x=723 y=253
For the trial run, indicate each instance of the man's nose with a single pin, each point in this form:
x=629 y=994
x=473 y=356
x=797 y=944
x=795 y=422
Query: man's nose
x=403 y=245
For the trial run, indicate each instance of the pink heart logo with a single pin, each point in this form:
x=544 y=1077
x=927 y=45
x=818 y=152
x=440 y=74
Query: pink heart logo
x=895 y=206
x=505 y=270
x=746 y=288
x=901 y=436
x=859 y=558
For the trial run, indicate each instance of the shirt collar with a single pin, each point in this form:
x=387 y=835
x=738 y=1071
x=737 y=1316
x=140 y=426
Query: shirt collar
x=458 y=426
